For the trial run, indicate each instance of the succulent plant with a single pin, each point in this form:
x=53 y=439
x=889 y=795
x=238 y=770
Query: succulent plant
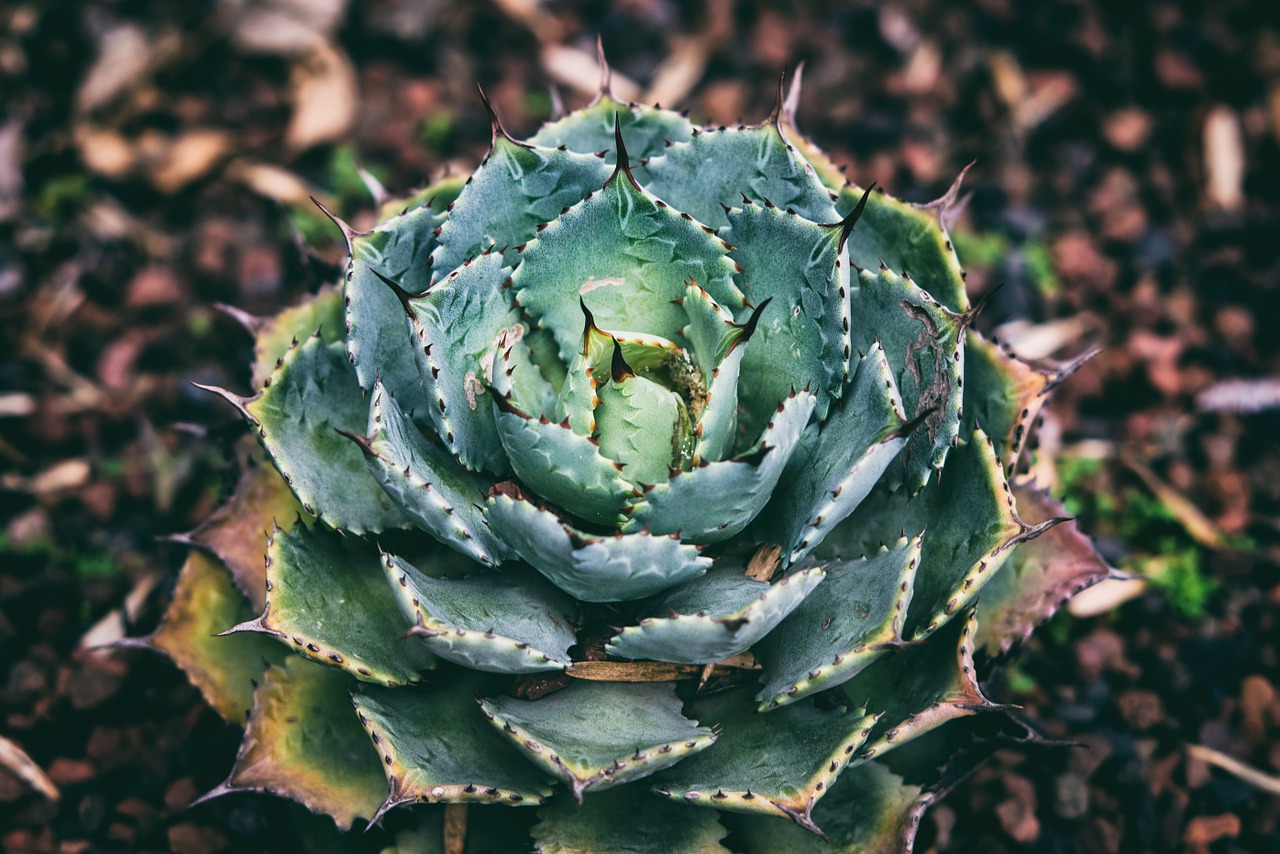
x=640 y=487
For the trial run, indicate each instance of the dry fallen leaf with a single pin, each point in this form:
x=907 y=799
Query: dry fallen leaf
x=15 y=760
x=324 y=93
x=189 y=157
x=1240 y=396
x=288 y=27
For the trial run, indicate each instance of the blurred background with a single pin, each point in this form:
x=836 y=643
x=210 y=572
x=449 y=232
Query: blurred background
x=156 y=159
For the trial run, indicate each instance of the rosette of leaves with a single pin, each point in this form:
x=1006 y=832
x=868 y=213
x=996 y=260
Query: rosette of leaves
x=638 y=490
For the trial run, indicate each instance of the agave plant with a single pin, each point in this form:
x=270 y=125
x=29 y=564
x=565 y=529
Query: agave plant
x=640 y=487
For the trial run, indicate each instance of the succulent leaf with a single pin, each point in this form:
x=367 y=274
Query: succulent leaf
x=274 y=336
x=718 y=167
x=314 y=578
x=1002 y=394
x=428 y=484
x=1038 y=577
x=436 y=747
x=648 y=129
x=716 y=500
x=303 y=742
x=225 y=670
x=624 y=819
x=925 y=351
x=375 y=320
x=717 y=616
x=311 y=397
x=869 y=810
x=778 y=764
x=563 y=467
x=852 y=619
x=594 y=569
x=920 y=687
x=495 y=623
x=517 y=188
x=593 y=735
x=802 y=341
x=836 y=465
x=459 y=329
x=908 y=240
x=237 y=532
x=627 y=257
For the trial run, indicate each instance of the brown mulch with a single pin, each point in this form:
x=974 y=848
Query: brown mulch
x=155 y=160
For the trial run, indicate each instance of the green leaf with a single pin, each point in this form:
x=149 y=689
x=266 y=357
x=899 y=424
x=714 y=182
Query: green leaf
x=906 y=238
x=802 y=340
x=716 y=500
x=717 y=616
x=275 y=335
x=778 y=764
x=436 y=747
x=593 y=735
x=564 y=468
x=591 y=568
x=237 y=532
x=303 y=742
x=496 y=622
x=969 y=523
x=717 y=167
x=844 y=625
x=224 y=669
x=920 y=687
x=326 y=598
x=837 y=463
x=641 y=425
x=1002 y=395
x=378 y=342
x=869 y=810
x=443 y=498
x=438 y=197
x=922 y=343
x=628 y=820
x=310 y=398
x=517 y=188
x=627 y=257
x=1038 y=576
x=459 y=329
x=590 y=129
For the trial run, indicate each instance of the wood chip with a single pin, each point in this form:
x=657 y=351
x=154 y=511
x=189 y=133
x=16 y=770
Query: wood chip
x=764 y=563
x=455 y=828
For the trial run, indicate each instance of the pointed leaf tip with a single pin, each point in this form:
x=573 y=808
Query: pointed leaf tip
x=749 y=328
x=348 y=233
x=847 y=224
x=606 y=72
x=495 y=124
x=791 y=105
x=619 y=367
x=240 y=403
x=401 y=294
x=968 y=317
x=623 y=159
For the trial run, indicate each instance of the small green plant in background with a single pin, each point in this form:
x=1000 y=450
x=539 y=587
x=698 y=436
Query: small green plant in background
x=1155 y=545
